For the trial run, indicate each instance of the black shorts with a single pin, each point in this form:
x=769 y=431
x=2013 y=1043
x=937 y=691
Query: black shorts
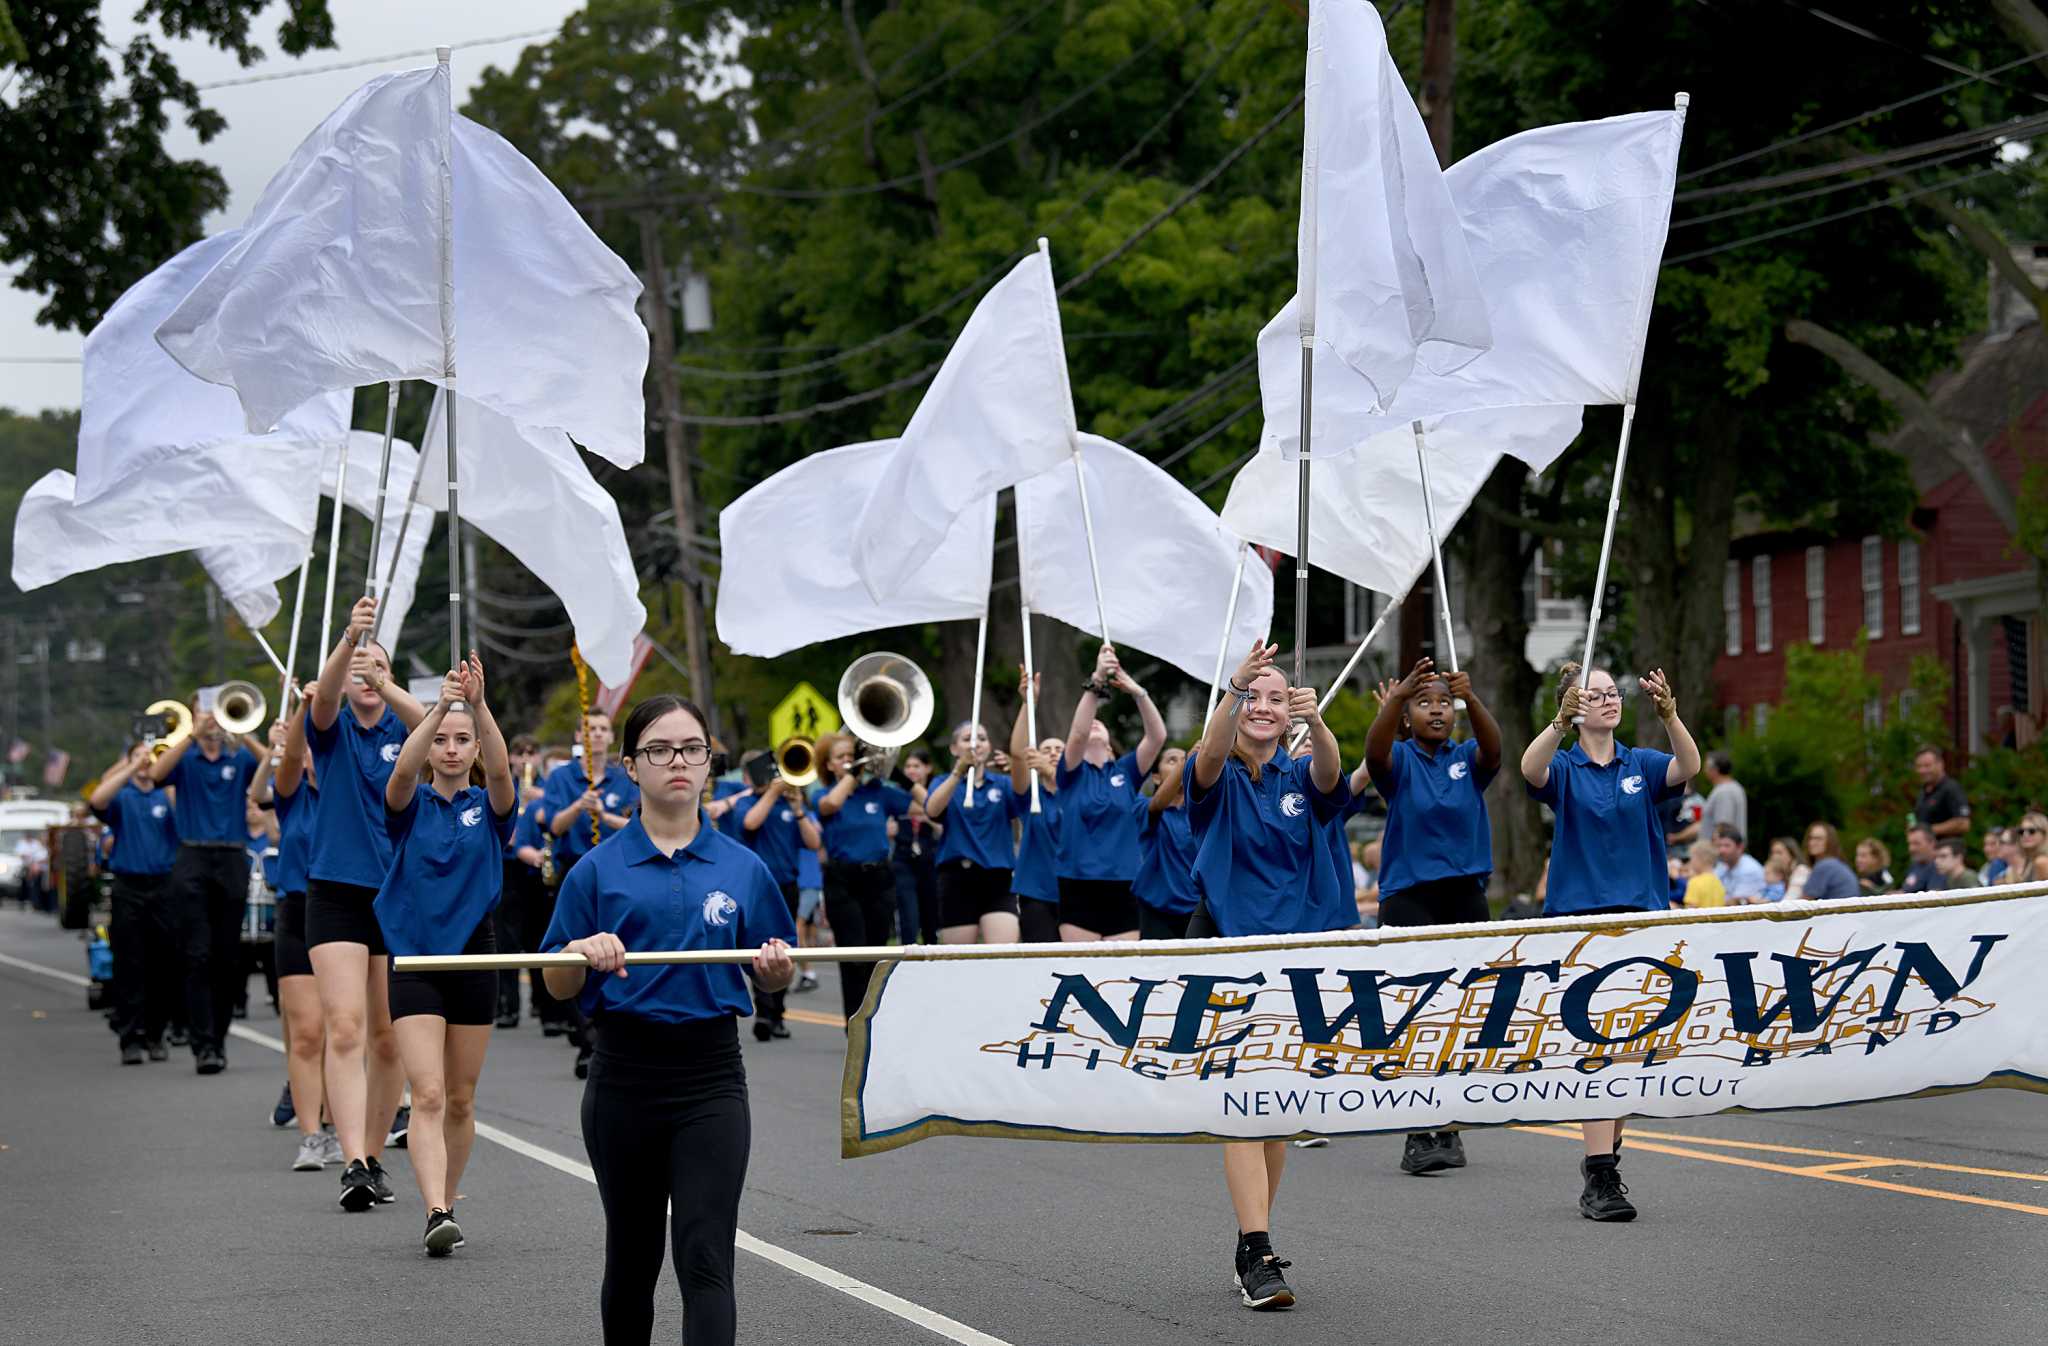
x=342 y=913
x=1156 y=924
x=1458 y=901
x=1608 y=911
x=967 y=892
x=1099 y=906
x=1201 y=925
x=292 y=958
x=464 y=999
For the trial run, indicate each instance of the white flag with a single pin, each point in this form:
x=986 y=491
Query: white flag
x=1170 y=559
x=366 y=448
x=1365 y=510
x=336 y=279
x=530 y=492
x=1382 y=258
x=246 y=576
x=774 y=597
x=998 y=412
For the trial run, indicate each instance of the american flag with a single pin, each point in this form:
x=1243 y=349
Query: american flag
x=18 y=753
x=610 y=699
x=54 y=766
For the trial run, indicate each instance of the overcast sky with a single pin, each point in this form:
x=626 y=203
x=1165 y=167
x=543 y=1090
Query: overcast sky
x=267 y=121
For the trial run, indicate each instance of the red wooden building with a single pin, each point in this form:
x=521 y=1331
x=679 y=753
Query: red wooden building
x=1951 y=587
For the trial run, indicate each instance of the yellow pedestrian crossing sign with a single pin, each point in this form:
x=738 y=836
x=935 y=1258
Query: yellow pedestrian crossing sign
x=804 y=711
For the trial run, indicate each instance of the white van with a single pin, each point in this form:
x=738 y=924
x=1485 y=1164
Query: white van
x=21 y=818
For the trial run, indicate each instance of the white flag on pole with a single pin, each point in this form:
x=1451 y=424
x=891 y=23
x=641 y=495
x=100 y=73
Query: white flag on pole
x=998 y=412
x=529 y=491
x=1382 y=257
x=247 y=577
x=1176 y=561
x=335 y=281
x=774 y=597
x=1365 y=514
x=366 y=446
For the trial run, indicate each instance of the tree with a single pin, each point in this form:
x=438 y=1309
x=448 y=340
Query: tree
x=110 y=202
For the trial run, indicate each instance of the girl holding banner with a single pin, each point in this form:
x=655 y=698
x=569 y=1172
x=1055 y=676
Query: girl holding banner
x=1607 y=853
x=1099 y=818
x=978 y=853
x=1264 y=866
x=1165 y=886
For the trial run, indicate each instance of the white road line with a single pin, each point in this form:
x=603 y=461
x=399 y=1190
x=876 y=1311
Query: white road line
x=929 y=1319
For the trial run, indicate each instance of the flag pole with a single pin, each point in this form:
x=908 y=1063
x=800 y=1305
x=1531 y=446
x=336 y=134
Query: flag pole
x=383 y=488
x=974 y=715
x=1305 y=303
x=1330 y=692
x=1080 y=476
x=1436 y=551
x=271 y=655
x=1301 y=516
x=1223 y=645
x=448 y=360
x=1030 y=665
x=291 y=661
x=333 y=547
x=412 y=503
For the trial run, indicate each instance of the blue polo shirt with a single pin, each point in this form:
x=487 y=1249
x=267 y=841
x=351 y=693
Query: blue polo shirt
x=778 y=840
x=1035 y=875
x=295 y=815
x=212 y=796
x=350 y=842
x=447 y=870
x=529 y=828
x=145 y=833
x=1098 y=827
x=982 y=835
x=1166 y=859
x=809 y=873
x=1608 y=846
x=712 y=894
x=1436 y=816
x=566 y=784
x=728 y=789
x=859 y=832
x=1263 y=859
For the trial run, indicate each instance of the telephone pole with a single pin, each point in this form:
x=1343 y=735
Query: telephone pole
x=678 y=439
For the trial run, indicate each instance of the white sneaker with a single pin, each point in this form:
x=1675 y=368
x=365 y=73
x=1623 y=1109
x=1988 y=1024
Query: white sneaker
x=807 y=980
x=312 y=1154
x=330 y=1148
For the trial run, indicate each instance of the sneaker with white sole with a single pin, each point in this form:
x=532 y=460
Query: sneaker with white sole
x=380 y=1183
x=330 y=1148
x=312 y=1155
x=443 y=1235
x=401 y=1122
x=1262 y=1286
x=357 y=1192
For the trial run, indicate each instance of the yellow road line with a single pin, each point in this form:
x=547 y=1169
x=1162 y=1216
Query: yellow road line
x=814 y=1017
x=1848 y=1160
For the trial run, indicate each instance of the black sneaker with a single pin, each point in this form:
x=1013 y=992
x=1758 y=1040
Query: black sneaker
x=553 y=1028
x=1606 y=1195
x=443 y=1235
x=778 y=1030
x=1453 y=1146
x=380 y=1185
x=210 y=1062
x=763 y=1030
x=583 y=1063
x=284 y=1114
x=358 y=1190
x=401 y=1122
x=1424 y=1153
x=159 y=1052
x=1262 y=1285
x=509 y=1019
x=131 y=1053
x=179 y=1038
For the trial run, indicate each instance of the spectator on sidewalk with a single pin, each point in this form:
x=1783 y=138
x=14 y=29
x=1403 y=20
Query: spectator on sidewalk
x=1797 y=871
x=1727 y=802
x=1921 y=876
x=1952 y=865
x=1776 y=872
x=1742 y=878
x=1702 y=885
x=1873 y=867
x=1830 y=877
x=1942 y=808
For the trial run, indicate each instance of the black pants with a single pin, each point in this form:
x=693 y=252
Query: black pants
x=1459 y=901
x=768 y=1004
x=1038 y=920
x=145 y=958
x=536 y=903
x=1156 y=924
x=510 y=931
x=209 y=890
x=917 y=899
x=666 y=1124
x=860 y=902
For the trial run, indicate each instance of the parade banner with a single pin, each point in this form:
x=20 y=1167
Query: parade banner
x=1669 y=1014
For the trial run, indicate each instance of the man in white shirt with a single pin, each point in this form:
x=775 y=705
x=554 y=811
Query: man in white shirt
x=1727 y=802
x=1738 y=870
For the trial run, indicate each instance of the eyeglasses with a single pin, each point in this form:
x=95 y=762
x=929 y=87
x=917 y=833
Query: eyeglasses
x=661 y=754
x=1595 y=698
x=2030 y=831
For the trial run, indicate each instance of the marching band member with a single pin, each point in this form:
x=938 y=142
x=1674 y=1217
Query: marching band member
x=517 y=928
x=1263 y=866
x=665 y=1115
x=777 y=824
x=853 y=810
x=578 y=791
x=210 y=877
x=440 y=896
x=129 y=801
x=1165 y=885
x=1437 y=851
x=1035 y=880
x=1607 y=853
x=978 y=851
x=913 y=841
x=356 y=725
x=1098 y=817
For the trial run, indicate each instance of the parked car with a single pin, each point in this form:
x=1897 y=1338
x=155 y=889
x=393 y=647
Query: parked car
x=21 y=819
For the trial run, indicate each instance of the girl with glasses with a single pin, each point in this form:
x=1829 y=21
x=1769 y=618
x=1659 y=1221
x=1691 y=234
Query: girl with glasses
x=1828 y=875
x=1607 y=852
x=665 y=1114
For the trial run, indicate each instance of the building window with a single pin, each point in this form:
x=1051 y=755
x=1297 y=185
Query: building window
x=1909 y=587
x=1873 y=714
x=1816 y=594
x=1763 y=717
x=1731 y=607
x=1731 y=721
x=1760 y=601
x=1873 y=587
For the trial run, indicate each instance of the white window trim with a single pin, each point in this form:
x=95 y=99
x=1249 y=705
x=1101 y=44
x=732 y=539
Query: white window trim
x=1816 y=595
x=1909 y=587
x=1871 y=564
x=1760 y=600
x=1731 y=608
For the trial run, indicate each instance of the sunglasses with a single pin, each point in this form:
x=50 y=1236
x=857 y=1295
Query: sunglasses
x=2030 y=831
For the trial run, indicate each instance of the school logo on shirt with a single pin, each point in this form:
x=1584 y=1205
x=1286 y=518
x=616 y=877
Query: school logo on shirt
x=157 y=810
x=1293 y=802
x=787 y=815
x=719 y=907
x=227 y=771
x=389 y=752
x=472 y=815
x=871 y=807
x=996 y=796
x=1458 y=770
x=611 y=799
x=1116 y=781
x=1631 y=785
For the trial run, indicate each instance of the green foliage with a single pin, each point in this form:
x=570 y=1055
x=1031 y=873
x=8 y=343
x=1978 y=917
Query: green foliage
x=2004 y=783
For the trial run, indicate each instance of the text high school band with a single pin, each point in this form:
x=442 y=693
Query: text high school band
x=406 y=829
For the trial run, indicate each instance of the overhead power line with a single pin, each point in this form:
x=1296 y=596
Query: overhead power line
x=2015 y=129
x=1895 y=199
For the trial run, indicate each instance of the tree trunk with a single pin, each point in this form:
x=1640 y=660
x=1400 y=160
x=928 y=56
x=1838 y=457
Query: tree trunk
x=1439 y=73
x=1501 y=675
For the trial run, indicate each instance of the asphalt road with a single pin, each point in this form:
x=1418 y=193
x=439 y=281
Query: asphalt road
x=150 y=1203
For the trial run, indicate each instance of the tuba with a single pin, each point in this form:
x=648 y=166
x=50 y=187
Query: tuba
x=885 y=701
x=238 y=707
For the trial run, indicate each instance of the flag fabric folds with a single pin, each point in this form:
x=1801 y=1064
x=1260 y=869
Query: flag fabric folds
x=529 y=491
x=1365 y=510
x=786 y=576
x=1383 y=263
x=366 y=448
x=1153 y=535
x=998 y=412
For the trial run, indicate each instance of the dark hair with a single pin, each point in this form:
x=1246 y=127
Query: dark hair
x=1729 y=830
x=522 y=743
x=1723 y=764
x=1926 y=748
x=1923 y=828
x=647 y=712
x=1833 y=849
x=1953 y=845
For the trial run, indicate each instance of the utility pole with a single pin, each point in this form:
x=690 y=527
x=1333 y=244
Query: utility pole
x=679 y=440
